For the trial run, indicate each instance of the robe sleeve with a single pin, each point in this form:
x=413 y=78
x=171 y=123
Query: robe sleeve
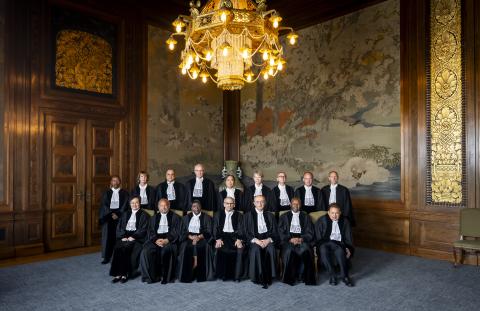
x=207 y=228
x=183 y=235
x=142 y=227
x=183 y=197
x=174 y=231
x=347 y=238
x=274 y=229
x=220 y=199
x=240 y=232
x=248 y=227
x=121 y=226
x=152 y=235
x=320 y=228
x=348 y=207
x=272 y=201
x=212 y=197
x=308 y=232
x=105 y=214
x=283 y=230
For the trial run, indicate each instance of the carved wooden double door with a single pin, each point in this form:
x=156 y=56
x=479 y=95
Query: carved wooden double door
x=80 y=156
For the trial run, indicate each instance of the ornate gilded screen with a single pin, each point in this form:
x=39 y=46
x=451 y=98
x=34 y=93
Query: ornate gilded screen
x=445 y=106
x=83 y=54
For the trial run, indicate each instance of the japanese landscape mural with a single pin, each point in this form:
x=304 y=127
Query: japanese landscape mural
x=336 y=107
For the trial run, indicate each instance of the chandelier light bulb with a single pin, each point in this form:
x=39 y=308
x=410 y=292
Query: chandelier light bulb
x=171 y=46
x=275 y=24
x=280 y=66
x=265 y=76
x=265 y=55
x=190 y=59
x=204 y=79
x=184 y=71
x=292 y=41
x=249 y=78
x=245 y=54
x=225 y=51
x=178 y=28
x=188 y=65
x=194 y=75
x=223 y=17
x=197 y=59
x=208 y=56
x=272 y=61
x=270 y=71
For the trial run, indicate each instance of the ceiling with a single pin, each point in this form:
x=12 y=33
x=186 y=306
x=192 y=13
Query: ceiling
x=296 y=13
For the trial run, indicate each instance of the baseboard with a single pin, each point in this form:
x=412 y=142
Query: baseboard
x=29 y=250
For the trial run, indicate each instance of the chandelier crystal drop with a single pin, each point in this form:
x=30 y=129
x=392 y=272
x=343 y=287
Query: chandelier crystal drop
x=231 y=42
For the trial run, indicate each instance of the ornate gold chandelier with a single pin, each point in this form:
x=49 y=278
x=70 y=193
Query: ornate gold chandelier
x=230 y=42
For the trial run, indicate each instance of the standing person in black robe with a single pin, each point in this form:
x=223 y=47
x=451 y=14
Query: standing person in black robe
x=282 y=194
x=144 y=191
x=173 y=191
x=159 y=254
x=309 y=194
x=113 y=204
x=261 y=233
x=196 y=256
x=230 y=191
x=258 y=188
x=297 y=236
x=336 y=193
x=229 y=242
x=334 y=239
x=202 y=189
x=131 y=233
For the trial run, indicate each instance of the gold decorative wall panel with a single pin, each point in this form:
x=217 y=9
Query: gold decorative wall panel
x=445 y=111
x=83 y=62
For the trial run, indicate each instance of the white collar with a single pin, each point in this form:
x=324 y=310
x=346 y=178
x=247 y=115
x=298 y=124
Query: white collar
x=170 y=182
x=142 y=187
x=116 y=190
x=259 y=187
x=307 y=187
x=333 y=186
x=258 y=212
x=199 y=179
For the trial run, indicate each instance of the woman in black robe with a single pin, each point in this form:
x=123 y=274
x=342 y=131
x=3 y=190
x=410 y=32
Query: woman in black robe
x=195 y=258
x=296 y=234
x=230 y=243
x=131 y=233
x=146 y=192
x=232 y=192
x=157 y=261
x=112 y=205
x=261 y=234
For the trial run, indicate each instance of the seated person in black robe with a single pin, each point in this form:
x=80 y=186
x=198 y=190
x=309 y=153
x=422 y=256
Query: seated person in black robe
x=229 y=242
x=113 y=204
x=173 y=191
x=144 y=191
x=201 y=188
x=261 y=233
x=297 y=236
x=230 y=191
x=336 y=193
x=159 y=254
x=309 y=194
x=131 y=233
x=281 y=196
x=258 y=188
x=196 y=256
x=334 y=240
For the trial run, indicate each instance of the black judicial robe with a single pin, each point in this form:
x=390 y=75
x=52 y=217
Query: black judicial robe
x=180 y=202
x=203 y=251
x=229 y=260
x=159 y=262
x=109 y=225
x=300 y=193
x=262 y=261
x=239 y=199
x=150 y=197
x=294 y=255
x=249 y=196
x=127 y=253
x=209 y=195
x=343 y=200
x=323 y=230
x=275 y=198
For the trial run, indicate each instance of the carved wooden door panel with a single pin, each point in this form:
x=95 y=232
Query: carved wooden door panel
x=101 y=163
x=65 y=182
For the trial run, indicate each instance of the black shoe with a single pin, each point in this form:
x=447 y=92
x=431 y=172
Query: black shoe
x=124 y=279
x=333 y=281
x=105 y=261
x=265 y=286
x=347 y=281
x=164 y=281
x=116 y=279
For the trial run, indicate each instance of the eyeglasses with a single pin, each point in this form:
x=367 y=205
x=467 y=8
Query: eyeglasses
x=229 y=203
x=281 y=176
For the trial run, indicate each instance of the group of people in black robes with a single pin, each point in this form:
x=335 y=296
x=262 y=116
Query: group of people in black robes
x=242 y=240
